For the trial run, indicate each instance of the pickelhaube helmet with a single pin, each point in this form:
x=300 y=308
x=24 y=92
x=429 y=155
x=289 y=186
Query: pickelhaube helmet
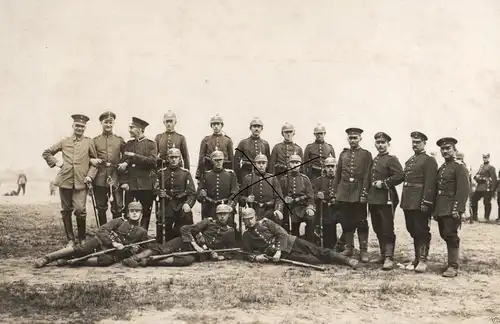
x=174 y=152
x=169 y=115
x=256 y=121
x=295 y=158
x=247 y=213
x=216 y=119
x=223 y=208
x=217 y=155
x=319 y=129
x=135 y=205
x=330 y=161
x=287 y=127
x=260 y=158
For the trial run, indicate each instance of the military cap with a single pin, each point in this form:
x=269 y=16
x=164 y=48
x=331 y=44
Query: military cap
x=169 y=115
x=247 y=213
x=446 y=141
x=216 y=119
x=418 y=136
x=383 y=135
x=486 y=155
x=223 y=208
x=174 y=152
x=256 y=121
x=295 y=158
x=217 y=155
x=107 y=115
x=354 y=131
x=319 y=129
x=80 y=119
x=135 y=205
x=260 y=158
x=330 y=161
x=287 y=128
x=137 y=122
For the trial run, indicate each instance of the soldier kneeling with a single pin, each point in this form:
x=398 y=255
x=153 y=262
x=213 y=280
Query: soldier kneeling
x=273 y=242
x=114 y=234
x=207 y=234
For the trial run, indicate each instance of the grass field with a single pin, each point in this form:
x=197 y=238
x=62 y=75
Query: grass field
x=237 y=291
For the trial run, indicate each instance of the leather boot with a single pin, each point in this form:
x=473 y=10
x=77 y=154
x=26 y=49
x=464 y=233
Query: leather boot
x=64 y=252
x=342 y=259
x=340 y=245
x=349 y=244
x=133 y=261
x=363 y=246
x=453 y=258
x=381 y=258
x=474 y=212
x=310 y=231
x=68 y=228
x=295 y=229
x=411 y=266
x=90 y=262
x=422 y=263
x=389 y=254
x=102 y=217
x=81 y=223
x=487 y=212
x=174 y=262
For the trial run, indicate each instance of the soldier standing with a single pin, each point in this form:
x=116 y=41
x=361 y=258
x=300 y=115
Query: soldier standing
x=21 y=183
x=263 y=195
x=140 y=162
x=350 y=189
x=77 y=152
x=452 y=193
x=486 y=178
x=319 y=151
x=299 y=197
x=104 y=174
x=180 y=195
x=170 y=138
x=417 y=199
x=386 y=174
x=251 y=146
x=324 y=195
x=282 y=151
x=215 y=142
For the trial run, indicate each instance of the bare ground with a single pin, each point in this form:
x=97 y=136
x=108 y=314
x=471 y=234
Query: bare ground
x=237 y=291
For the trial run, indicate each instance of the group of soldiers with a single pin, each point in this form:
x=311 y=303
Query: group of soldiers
x=274 y=191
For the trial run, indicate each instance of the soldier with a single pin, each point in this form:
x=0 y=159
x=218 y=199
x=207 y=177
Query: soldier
x=299 y=197
x=207 y=234
x=417 y=199
x=452 y=193
x=269 y=240
x=251 y=146
x=350 y=190
x=319 y=148
x=323 y=190
x=486 y=178
x=386 y=174
x=170 y=138
x=72 y=178
x=52 y=188
x=217 y=186
x=460 y=159
x=115 y=234
x=282 y=151
x=140 y=162
x=105 y=176
x=21 y=183
x=263 y=195
x=180 y=195
x=215 y=142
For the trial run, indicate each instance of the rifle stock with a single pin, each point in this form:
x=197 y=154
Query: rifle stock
x=297 y=263
x=160 y=221
x=164 y=256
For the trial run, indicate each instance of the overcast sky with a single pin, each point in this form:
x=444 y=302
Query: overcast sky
x=393 y=66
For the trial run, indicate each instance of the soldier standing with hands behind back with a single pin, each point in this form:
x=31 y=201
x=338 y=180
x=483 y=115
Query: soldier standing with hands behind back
x=170 y=138
x=486 y=178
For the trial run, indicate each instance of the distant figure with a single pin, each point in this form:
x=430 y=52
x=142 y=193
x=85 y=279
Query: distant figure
x=21 y=183
x=11 y=193
x=52 y=188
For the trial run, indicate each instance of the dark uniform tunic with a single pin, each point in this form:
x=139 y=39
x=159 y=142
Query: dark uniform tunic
x=330 y=211
x=452 y=194
x=419 y=189
x=221 y=186
x=167 y=140
x=267 y=193
x=209 y=144
x=486 y=179
x=278 y=163
x=251 y=146
x=298 y=187
x=314 y=168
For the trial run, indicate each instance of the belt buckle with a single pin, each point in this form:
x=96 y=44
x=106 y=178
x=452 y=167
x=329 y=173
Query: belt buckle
x=405 y=184
x=351 y=179
x=261 y=205
x=133 y=165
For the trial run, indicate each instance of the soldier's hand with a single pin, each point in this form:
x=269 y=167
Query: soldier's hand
x=135 y=249
x=424 y=208
x=288 y=199
x=214 y=256
x=321 y=195
x=186 y=208
x=310 y=212
x=220 y=258
x=198 y=248
x=95 y=162
x=88 y=179
x=162 y=193
x=251 y=198
x=200 y=238
x=125 y=187
x=129 y=153
x=261 y=258
x=363 y=200
x=122 y=166
x=333 y=201
x=278 y=214
x=277 y=256
x=117 y=245
x=203 y=193
x=455 y=214
x=379 y=184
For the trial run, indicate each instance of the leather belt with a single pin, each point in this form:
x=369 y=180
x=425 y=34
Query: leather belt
x=414 y=184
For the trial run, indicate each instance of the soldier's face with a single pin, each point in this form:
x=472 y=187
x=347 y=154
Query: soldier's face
x=320 y=136
x=134 y=131
x=261 y=166
x=222 y=218
x=330 y=170
x=447 y=151
x=417 y=145
x=216 y=127
x=288 y=135
x=256 y=130
x=107 y=125
x=170 y=124
x=486 y=159
x=381 y=145
x=78 y=129
x=134 y=214
x=218 y=163
x=174 y=160
x=354 y=140
x=294 y=166
x=250 y=221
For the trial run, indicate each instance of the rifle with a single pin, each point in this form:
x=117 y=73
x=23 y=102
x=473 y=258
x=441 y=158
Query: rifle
x=297 y=263
x=72 y=261
x=91 y=192
x=161 y=220
x=321 y=222
x=164 y=256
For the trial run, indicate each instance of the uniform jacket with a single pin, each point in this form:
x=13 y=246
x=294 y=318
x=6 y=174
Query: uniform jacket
x=325 y=184
x=209 y=144
x=121 y=231
x=141 y=168
x=419 y=186
x=21 y=178
x=266 y=234
x=314 y=150
x=179 y=186
x=76 y=154
x=452 y=188
x=251 y=146
x=296 y=186
x=387 y=168
x=280 y=154
x=167 y=140
x=215 y=235
x=486 y=178
x=263 y=191
x=109 y=149
x=352 y=178
x=219 y=184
